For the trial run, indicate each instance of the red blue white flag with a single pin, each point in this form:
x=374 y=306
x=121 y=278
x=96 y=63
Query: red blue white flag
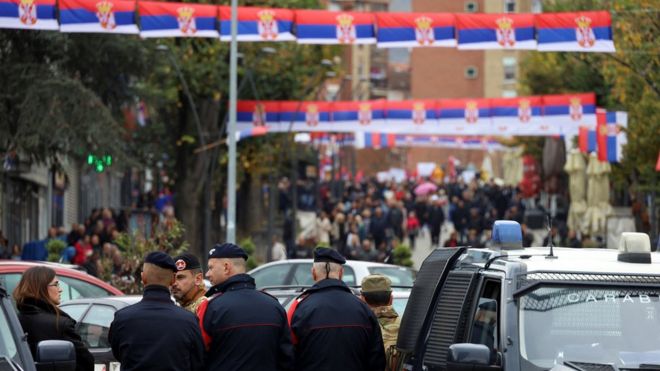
x=570 y=111
x=520 y=116
x=326 y=27
x=359 y=116
x=257 y=24
x=28 y=14
x=495 y=31
x=415 y=30
x=407 y=116
x=257 y=114
x=161 y=19
x=587 y=137
x=305 y=116
x=98 y=16
x=576 y=31
x=617 y=122
x=379 y=140
x=464 y=117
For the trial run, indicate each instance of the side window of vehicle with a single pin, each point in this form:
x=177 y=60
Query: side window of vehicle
x=9 y=281
x=349 y=276
x=93 y=329
x=76 y=289
x=75 y=311
x=303 y=274
x=272 y=276
x=485 y=328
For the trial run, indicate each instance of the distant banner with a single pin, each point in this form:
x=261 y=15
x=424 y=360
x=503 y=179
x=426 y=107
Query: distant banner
x=257 y=24
x=98 y=16
x=520 y=116
x=423 y=114
x=325 y=27
x=495 y=31
x=359 y=116
x=579 y=31
x=405 y=30
x=28 y=14
x=160 y=19
x=570 y=111
x=464 y=117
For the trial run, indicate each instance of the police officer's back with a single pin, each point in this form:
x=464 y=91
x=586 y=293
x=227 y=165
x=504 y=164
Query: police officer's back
x=332 y=328
x=155 y=334
x=243 y=329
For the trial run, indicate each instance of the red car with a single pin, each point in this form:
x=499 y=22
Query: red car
x=75 y=284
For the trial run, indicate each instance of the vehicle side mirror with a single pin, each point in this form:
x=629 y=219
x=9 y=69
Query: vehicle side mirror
x=471 y=357
x=55 y=355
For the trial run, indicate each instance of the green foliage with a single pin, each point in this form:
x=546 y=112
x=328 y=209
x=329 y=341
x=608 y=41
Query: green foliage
x=402 y=255
x=55 y=248
x=248 y=245
x=167 y=238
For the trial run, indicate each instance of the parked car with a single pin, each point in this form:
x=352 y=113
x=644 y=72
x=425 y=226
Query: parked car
x=298 y=272
x=94 y=316
x=57 y=355
x=74 y=283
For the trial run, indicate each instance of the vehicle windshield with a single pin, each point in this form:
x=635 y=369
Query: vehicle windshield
x=616 y=326
x=398 y=275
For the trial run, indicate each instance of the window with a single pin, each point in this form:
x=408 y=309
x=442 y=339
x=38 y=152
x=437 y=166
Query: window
x=349 y=276
x=93 y=329
x=471 y=7
x=73 y=288
x=485 y=320
x=302 y=274
x=9 y=281
x=272 y=276
x=537 y=6
x=399 y=276
x=75 y=311
x=8 y=346
x=507 y=93
x=509 y=64
x=471 y=72
x=509 y=6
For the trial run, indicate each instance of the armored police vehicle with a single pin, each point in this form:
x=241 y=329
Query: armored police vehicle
x=509 y=308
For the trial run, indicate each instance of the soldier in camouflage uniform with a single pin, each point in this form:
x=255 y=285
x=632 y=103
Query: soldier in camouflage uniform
x=377 y=293
x=188 y=288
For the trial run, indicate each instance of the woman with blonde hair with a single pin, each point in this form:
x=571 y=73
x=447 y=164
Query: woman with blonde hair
x=37 y=298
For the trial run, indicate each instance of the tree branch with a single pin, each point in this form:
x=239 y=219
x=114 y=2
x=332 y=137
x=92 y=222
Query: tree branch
x=643 y=76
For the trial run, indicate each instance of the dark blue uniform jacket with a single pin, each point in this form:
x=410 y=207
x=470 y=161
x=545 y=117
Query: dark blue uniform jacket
x=155 y=334
x=335 y=330
x=248 y=329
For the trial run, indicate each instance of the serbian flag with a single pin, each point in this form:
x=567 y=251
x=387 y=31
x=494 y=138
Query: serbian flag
x=616 y=136
x=520 y=116
x=570 y=111
x=305 y=116
x=255 y=114
x=326 y=27
x=418 y=116
x=257 y=24
x=28 y=14
x=495 y=31
x=161 y=19
x=464 y=117
x=359 y=116
x=575 y=32
x=396 y=30
x=98 y=16
x=251 y=132
x=379 y=140
x=587 y=137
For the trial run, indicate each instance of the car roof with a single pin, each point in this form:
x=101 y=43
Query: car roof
x=9 y=266
x=117 y=301
x=575 y=260
x=352 y=263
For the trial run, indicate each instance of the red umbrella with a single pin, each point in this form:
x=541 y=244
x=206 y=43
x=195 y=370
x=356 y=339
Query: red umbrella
x=425 y=188
x=657 y=166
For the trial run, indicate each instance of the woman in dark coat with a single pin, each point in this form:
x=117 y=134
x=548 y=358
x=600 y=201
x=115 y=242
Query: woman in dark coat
x=37 y=298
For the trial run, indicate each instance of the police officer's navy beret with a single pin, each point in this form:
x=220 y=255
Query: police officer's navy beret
x=186 y=261
x=160 y=259
x=326 y=254
x=227 y=250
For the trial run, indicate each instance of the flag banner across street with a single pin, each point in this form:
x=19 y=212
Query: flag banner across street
x=586 y=31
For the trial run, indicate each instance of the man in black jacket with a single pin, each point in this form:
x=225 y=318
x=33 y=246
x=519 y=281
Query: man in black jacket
x=243 y=329
x=331 y=328
x=155 y=334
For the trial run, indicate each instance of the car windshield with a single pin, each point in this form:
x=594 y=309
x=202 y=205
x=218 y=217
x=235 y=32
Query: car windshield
x=400 y=276
x=616 y=326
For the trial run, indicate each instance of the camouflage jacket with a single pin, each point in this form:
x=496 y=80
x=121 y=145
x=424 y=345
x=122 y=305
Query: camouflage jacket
x=193 y=305
x=389 y=324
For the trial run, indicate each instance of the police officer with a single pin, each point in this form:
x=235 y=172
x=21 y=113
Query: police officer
x=243 y=329
x=155 y=334
x=377 y=293
x=188 y=288
x=332 y=328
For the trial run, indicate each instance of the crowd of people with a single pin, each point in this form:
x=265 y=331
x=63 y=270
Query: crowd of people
x=371 y=218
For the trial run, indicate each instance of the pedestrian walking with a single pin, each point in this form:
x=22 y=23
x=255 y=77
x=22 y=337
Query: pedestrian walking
x=37 y=297
x=243 y=329
x=155 y=334
x=376 y=291
x=332 y=328
x=188 y=288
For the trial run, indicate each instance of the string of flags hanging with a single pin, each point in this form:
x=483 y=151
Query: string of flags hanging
x=587 y=31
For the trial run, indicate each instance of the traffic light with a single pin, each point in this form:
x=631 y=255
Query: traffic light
x=99 y=163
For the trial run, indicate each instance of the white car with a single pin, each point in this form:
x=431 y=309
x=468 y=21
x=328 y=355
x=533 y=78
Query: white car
x=298 y=272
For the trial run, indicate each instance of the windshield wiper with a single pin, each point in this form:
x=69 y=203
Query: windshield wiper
x=590 y=366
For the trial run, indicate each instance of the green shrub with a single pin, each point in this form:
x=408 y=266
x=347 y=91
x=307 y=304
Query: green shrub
x=402 y=256
x=248 y=245
x=55 y=248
